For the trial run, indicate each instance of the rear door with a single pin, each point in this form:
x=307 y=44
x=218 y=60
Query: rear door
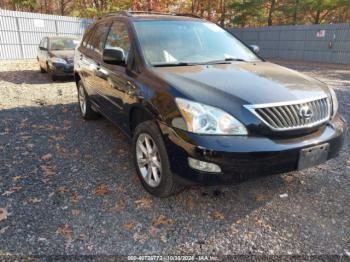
x=90 y=58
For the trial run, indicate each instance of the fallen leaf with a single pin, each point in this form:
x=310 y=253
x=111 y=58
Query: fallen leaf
x=75 y=212
x=48 y=170
x=34 y=200
x=90 y=247
x=190 y=203
x=162 y=220
x=141 y=238
x=82 y=237
x=16 y=178
x=119 y=206
x=65 y=231
x=144 y=202
x=46 y=157
x=153 y=231
x=238 y=221
x=12 y=190
x=101 y=190
x=75 y=198
x=58 y=138
x=3 y=230
x=62 y=189
x=129 y=226
x=61 y=150
x=217 y=215
x=288 y=179
x=163 y=237
x=3 y=214
x=261 y=197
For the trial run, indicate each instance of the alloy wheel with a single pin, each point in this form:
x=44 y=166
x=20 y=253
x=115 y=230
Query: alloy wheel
x=82 y=99
x=148 y=160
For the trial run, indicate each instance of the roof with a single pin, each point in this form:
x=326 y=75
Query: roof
x=60 y=37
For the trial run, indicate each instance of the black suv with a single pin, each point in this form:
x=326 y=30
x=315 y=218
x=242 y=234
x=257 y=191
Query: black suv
x=199 y=105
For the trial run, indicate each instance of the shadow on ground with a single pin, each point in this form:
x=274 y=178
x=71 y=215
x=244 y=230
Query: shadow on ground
x=31 y=77
x=67 y=184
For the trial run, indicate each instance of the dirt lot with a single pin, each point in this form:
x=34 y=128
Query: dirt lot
x=68 y=187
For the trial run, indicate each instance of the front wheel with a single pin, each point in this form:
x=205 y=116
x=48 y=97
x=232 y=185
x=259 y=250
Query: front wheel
x=152 y=162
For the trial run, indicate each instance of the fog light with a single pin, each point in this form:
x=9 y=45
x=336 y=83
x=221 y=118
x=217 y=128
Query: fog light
x=203 y=166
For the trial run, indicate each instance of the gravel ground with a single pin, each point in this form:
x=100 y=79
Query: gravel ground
x=68 y=187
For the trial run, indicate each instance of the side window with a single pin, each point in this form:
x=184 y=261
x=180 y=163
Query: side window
x=96 y=42
x=118 y=38
x=87 y=35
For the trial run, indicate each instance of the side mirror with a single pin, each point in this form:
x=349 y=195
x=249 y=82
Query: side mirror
x=255 y=48
x=114 y=56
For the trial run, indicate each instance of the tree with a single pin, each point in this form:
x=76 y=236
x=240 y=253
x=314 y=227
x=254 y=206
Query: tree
x=271 y=11
x=247 y=12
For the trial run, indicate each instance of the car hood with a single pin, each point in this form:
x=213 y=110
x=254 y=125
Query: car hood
x=248 y=82
x=64 y=54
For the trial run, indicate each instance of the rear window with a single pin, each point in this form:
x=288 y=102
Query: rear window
x=97 y=37
x=63 y=43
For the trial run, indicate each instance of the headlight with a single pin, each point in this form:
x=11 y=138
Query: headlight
x=204 y=119
x=334 y=102
x=58 y=60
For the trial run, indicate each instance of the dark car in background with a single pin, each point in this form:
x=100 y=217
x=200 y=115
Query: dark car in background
x=199 y=105
x=56 y=54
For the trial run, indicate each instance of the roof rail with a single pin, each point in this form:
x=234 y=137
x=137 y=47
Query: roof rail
x=131 y=13
x=149 y=13
x=188 y=14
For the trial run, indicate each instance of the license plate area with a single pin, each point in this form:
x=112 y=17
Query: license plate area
x=313 y=156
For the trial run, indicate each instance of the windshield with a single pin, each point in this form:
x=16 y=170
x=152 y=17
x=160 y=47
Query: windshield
x=63 y=44
x=182 y=42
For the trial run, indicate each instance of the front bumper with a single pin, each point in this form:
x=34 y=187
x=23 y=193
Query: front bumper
x=240 y=156
x=62 y=69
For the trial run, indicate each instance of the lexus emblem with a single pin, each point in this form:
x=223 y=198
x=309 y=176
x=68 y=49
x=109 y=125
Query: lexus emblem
x=305 y=112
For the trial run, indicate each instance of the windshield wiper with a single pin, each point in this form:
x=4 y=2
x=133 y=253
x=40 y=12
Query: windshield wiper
x=172 y=64
x=234 y=59
x=224 y=61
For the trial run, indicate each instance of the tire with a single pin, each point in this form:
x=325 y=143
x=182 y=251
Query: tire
x=165 y=186
x=53 y=76
x=85 y=105
x=51 y=73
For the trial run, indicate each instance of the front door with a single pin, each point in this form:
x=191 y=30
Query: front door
x=117 y=84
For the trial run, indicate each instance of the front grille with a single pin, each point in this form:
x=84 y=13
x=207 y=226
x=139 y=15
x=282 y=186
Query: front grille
x=293 y=115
